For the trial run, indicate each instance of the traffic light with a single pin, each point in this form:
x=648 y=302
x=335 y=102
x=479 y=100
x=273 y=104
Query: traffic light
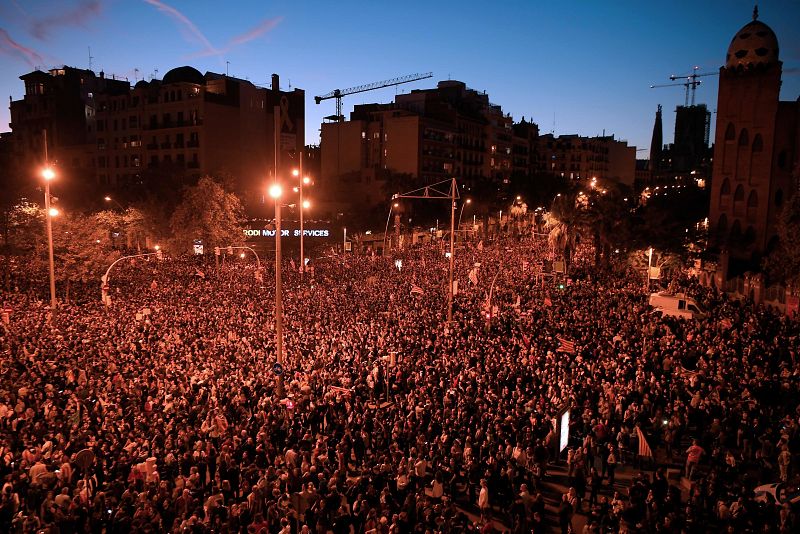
x=216 y=251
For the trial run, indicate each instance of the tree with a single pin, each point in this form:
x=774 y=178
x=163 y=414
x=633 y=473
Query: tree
x=22 y=228
x=209 y=213
x=81 y=248
x=783 y=263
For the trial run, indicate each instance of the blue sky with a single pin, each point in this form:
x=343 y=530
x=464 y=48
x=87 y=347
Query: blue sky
x=573 y=67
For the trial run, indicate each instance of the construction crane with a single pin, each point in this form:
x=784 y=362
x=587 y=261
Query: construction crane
x=691 y=83
x=339 y=93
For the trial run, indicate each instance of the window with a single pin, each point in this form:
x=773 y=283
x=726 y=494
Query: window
x=738 y=201
x=133 y=121
x=758 y=143
x=752 y=205
x=730 y=132
x=744 y=139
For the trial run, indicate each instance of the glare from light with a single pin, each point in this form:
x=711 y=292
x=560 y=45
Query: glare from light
x=241 y=255
x=158 y=247
x=275 y=191
x=295 y=172
x=306 y=180
x=48 y=174
x=107 y=199
x=306 y=204
x=54 y=212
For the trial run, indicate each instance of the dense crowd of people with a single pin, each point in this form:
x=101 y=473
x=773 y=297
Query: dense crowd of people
x=162 y=413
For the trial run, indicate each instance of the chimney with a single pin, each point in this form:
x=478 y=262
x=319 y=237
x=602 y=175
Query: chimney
x=276 y=86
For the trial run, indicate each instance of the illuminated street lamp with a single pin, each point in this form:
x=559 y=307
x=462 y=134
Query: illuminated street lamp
x=109 y=199
x=392 y=206
x=460 y=213
x=48 y=174
x=275 y=191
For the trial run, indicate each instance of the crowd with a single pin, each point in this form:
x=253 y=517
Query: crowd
x=160 y=413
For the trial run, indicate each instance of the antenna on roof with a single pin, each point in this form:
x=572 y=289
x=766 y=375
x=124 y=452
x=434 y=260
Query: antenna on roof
x=135 y=74
x=90 y=57
x=156 y=74
x=227 y=64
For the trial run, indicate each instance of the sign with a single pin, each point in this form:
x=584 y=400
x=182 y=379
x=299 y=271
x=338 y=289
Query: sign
x=198 y=249
x=277 y=369
x=287 y=232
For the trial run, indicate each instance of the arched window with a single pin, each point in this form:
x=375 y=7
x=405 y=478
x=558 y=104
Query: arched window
x=725 y=194
x=730 y=132
x=779 y=198
x=758 y=143
x=722 y=225
x=750 y=235
x=744 y=139
x=736 y=231
x=738 y=201
x=752 y=205
x=782 y=160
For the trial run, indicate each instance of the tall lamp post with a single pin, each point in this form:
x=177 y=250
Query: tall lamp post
x=275 y=191
x=460 y=213
x=436 y=192
x=48 y=175
x=304 y=205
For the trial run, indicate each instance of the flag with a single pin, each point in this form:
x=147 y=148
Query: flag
x=726 y=324
x=526 y=340
x=547 y=301
x=644 y=448
x=566 y=345
x=292 y=263
x=473 y=277
x=480 y=244
x=524 y=266
x=455 y=287
x=416 y=290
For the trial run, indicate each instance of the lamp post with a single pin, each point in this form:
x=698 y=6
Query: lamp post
x=275 y=192
x=109 y=199
x=388 y=218
x=468 y=201
x=48 y=175
x=304 y=204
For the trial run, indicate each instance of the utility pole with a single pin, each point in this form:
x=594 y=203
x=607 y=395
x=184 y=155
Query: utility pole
x=302 y=209
x=431 y=192
x=49 y=175
x=278 y=297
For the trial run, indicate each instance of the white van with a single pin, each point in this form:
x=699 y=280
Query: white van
x=677 y=305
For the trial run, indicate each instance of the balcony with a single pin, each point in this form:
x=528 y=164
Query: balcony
x=178 y=144
x=193 y=143
x=166 y=145
x=152 y=146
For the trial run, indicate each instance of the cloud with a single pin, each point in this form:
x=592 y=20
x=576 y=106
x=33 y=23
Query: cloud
x=194 y=32
x=76 y=16
x=11 y=47
x=257 y=31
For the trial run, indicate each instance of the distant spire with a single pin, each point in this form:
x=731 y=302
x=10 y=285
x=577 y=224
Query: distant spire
x=656 y=143
x=755 y=12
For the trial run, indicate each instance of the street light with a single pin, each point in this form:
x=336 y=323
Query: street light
x=48 y=174
x=275 y=191
x=388 y=218
x=460 y=213
x=109 y=199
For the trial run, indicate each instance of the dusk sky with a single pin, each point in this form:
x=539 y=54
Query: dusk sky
x=574 y=67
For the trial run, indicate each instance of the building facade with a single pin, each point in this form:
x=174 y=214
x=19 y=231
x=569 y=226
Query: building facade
x=187 y=123
x=585 y=158
x=756 y=146
x=425 y=136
